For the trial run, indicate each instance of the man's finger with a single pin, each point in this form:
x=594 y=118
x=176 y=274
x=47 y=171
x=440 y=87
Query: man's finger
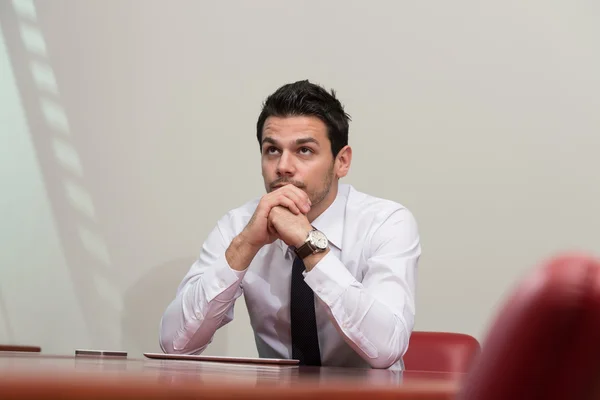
x=298 y=196
x=299 y=192
x=284 y=201
x=271 y=229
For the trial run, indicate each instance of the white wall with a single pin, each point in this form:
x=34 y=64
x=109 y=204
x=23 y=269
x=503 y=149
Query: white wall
x=127 y=130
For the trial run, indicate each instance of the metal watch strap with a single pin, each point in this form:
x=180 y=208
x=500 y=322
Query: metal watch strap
x=304 y=251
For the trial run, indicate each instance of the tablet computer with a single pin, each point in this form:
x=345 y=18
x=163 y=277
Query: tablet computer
x=244 y=360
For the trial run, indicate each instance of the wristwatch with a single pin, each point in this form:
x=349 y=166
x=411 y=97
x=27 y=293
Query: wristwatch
x=316 y=242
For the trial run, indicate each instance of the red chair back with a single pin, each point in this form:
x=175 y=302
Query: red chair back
x=545 y=344
x=440 y=352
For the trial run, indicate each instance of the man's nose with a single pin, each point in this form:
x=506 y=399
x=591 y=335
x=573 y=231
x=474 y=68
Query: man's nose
x=285 y=166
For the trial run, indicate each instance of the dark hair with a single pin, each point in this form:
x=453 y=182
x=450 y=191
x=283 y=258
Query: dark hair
x=303 y=98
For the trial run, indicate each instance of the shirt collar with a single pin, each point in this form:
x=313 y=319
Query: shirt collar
x=331 y=221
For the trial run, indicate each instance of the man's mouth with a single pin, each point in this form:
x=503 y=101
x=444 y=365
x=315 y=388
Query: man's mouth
x=280 y=185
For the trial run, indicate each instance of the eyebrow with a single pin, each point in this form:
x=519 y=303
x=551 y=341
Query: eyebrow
x=298 y=141
x=269 y=140
x=307 y=140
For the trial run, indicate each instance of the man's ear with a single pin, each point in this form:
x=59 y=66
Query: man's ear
x=343 y=161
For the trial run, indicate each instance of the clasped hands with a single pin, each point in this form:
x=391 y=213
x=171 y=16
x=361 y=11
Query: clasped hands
x=280 y=214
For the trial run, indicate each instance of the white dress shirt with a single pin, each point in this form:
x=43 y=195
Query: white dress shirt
x=364 y=287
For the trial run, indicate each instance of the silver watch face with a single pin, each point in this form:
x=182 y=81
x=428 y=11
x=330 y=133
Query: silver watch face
x=318 y=240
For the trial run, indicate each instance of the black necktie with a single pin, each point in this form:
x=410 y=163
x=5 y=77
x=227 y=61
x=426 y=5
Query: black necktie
x=305 y=342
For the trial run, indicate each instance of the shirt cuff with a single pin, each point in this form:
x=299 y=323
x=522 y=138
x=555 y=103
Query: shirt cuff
x=329 y=278
x=221 y=277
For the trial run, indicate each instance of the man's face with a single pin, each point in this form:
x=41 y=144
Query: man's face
x=297 y=150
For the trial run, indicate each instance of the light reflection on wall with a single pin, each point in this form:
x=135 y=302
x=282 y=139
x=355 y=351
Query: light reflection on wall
x=35 y=66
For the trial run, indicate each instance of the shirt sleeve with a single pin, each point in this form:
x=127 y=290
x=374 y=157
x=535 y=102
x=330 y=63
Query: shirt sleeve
x=375 y=316
x=204 y=300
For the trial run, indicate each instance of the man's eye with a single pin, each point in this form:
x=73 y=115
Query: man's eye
x=271 y=150
x=305 y=150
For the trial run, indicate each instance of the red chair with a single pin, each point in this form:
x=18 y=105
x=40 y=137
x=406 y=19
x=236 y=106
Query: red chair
x=545 y=343
x=440 y=352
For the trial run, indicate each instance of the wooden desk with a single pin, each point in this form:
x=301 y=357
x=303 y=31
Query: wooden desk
x=29 y=376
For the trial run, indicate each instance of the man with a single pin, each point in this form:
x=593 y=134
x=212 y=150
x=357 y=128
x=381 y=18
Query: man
x=328 y=273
